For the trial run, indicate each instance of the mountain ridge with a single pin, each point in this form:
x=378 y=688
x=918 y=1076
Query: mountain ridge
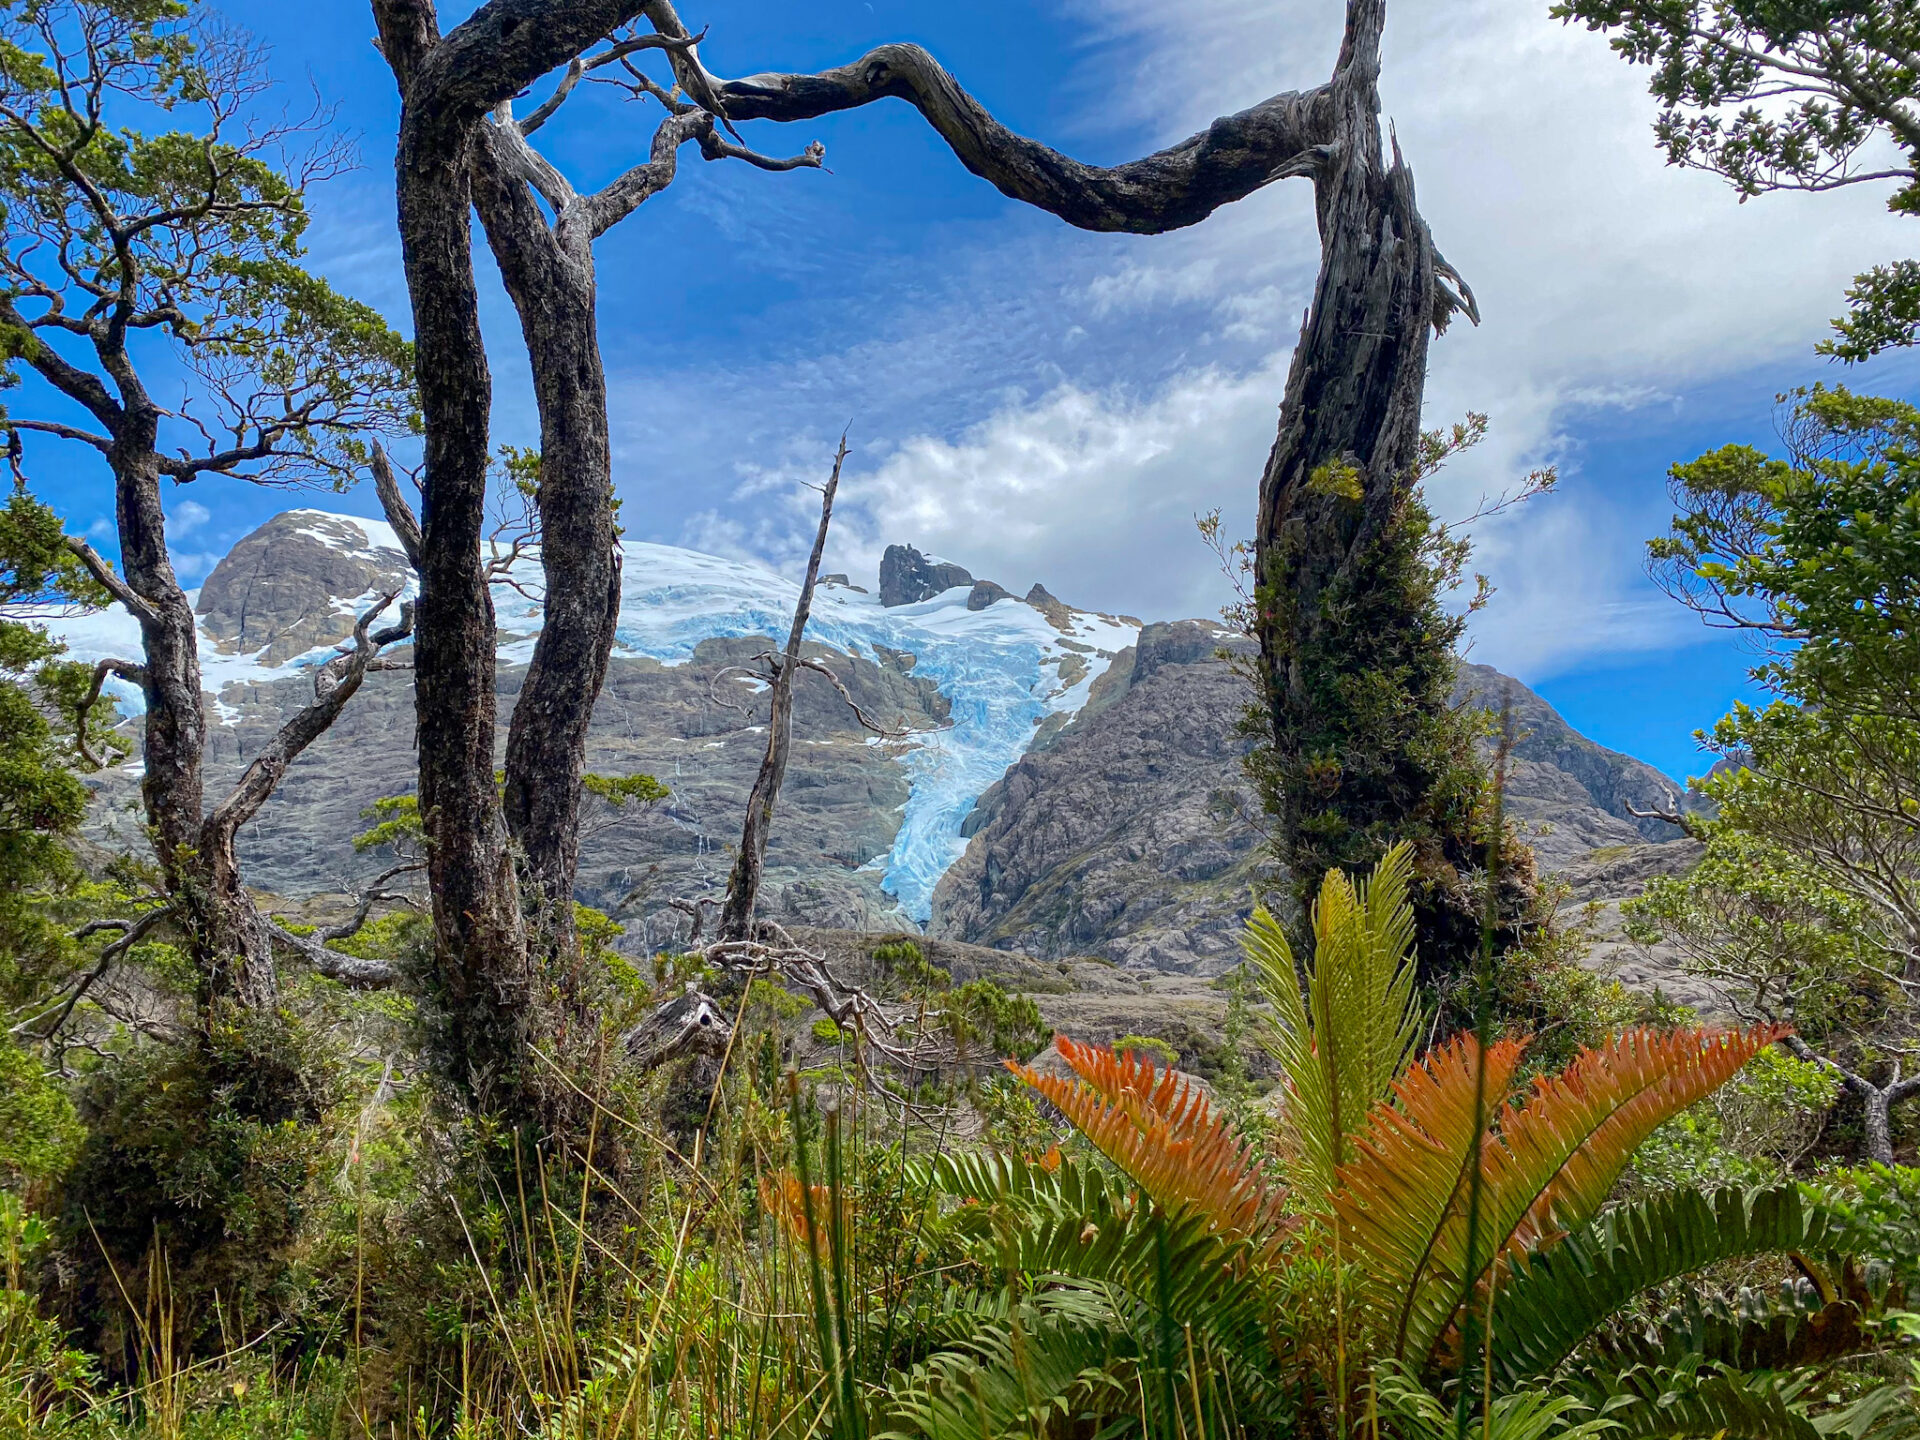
x=1067 y=783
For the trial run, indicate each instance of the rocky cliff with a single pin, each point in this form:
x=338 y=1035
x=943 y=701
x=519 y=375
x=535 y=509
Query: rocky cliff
x=1126 y=833
x=1064 y=784
x=1131 y=833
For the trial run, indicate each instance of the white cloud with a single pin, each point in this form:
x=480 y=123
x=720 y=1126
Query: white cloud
x=1092 y=494
x=185 y=518
x=1041 y=404
x=194 y=565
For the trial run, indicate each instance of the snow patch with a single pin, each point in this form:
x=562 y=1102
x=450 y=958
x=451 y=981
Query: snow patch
x=999 y=668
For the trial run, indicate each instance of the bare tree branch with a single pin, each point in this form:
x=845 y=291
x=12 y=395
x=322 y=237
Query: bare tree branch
x=126 y=670
x=1176 y=187
x=399 y=514
x=743 y=885
x=110 y=579
x=334 y=964
x=819 y=667
x=334 y=683
x=132 y=933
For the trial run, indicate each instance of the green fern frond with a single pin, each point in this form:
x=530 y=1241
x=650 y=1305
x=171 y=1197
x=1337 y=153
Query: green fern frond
x=1342 y=1043
x=1529 y=1415
x=1699 y=1400
x=1553 y=1299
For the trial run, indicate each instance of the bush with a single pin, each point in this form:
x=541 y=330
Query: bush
x=1163 y=1054
x=201 y=1154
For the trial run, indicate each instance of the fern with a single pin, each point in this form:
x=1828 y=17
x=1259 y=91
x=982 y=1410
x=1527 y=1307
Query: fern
x=1698 y=1399
x=1547 y=1162
x=1157 y=1126
x=1343 y=1043
x=1531 y=1415
x=1554 y=1299
x=1115 y=1313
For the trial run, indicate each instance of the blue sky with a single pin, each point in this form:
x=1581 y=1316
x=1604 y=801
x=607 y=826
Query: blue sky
x=1041 y=404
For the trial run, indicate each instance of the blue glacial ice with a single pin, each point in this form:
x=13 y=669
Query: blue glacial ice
x=999 y=668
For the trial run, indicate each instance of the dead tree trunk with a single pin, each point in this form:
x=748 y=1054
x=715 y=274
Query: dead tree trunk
x=1344 y=585
x=749 y=864
x=1356 y=653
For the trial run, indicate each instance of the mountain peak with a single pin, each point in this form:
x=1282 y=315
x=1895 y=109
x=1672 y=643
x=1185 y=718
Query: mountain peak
x=299 y=582
x=908 y=577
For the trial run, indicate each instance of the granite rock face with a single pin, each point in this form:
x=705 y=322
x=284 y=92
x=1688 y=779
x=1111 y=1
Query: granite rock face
x=289 y=586
x=985 y=593
x=1126 y=835
x=1120 y=837
x=1599 y=884
x=908 y=577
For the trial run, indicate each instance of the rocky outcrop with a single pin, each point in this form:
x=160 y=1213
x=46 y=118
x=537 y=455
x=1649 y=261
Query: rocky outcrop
x=1122 y=836
x=1122 y=833
x=1571 y=794
x=1048 y=605
x=1125 y=835
x=290 y=585
x=985 y=593
x=908 y=577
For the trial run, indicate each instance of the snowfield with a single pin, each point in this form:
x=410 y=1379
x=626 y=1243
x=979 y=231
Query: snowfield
x=1001 y=669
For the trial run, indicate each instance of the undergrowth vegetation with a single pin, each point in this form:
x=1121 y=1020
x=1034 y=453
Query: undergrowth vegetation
x=1397 y=1241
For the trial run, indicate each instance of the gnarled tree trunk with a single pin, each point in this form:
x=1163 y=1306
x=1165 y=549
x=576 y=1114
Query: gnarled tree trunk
x=1356 y=654
x=483 y=967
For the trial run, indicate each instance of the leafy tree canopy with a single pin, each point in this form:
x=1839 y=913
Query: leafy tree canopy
x=193 y=234
x=1807 y=904
x=1789 y=95
x=42 y=799
x=1815 y=552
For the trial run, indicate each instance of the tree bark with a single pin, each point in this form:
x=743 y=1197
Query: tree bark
x=225 y=938
x=1356 y=654
x=749 y=862
x=1876 y=1101
x=550 y=277
x=482 y=965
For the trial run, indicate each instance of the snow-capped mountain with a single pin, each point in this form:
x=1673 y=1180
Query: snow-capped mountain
x=287 y=594
x=1057 y=788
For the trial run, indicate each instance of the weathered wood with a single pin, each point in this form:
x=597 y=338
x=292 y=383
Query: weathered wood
x=1167 y=190
x=750 y=860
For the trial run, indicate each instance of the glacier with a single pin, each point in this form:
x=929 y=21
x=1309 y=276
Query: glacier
x=1003 y=670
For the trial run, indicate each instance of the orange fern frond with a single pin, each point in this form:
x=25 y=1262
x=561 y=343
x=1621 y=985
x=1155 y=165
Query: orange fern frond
x=786 y=1199
x=1587 y=1121
x=1545 y=1162
x=1158 y=1127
